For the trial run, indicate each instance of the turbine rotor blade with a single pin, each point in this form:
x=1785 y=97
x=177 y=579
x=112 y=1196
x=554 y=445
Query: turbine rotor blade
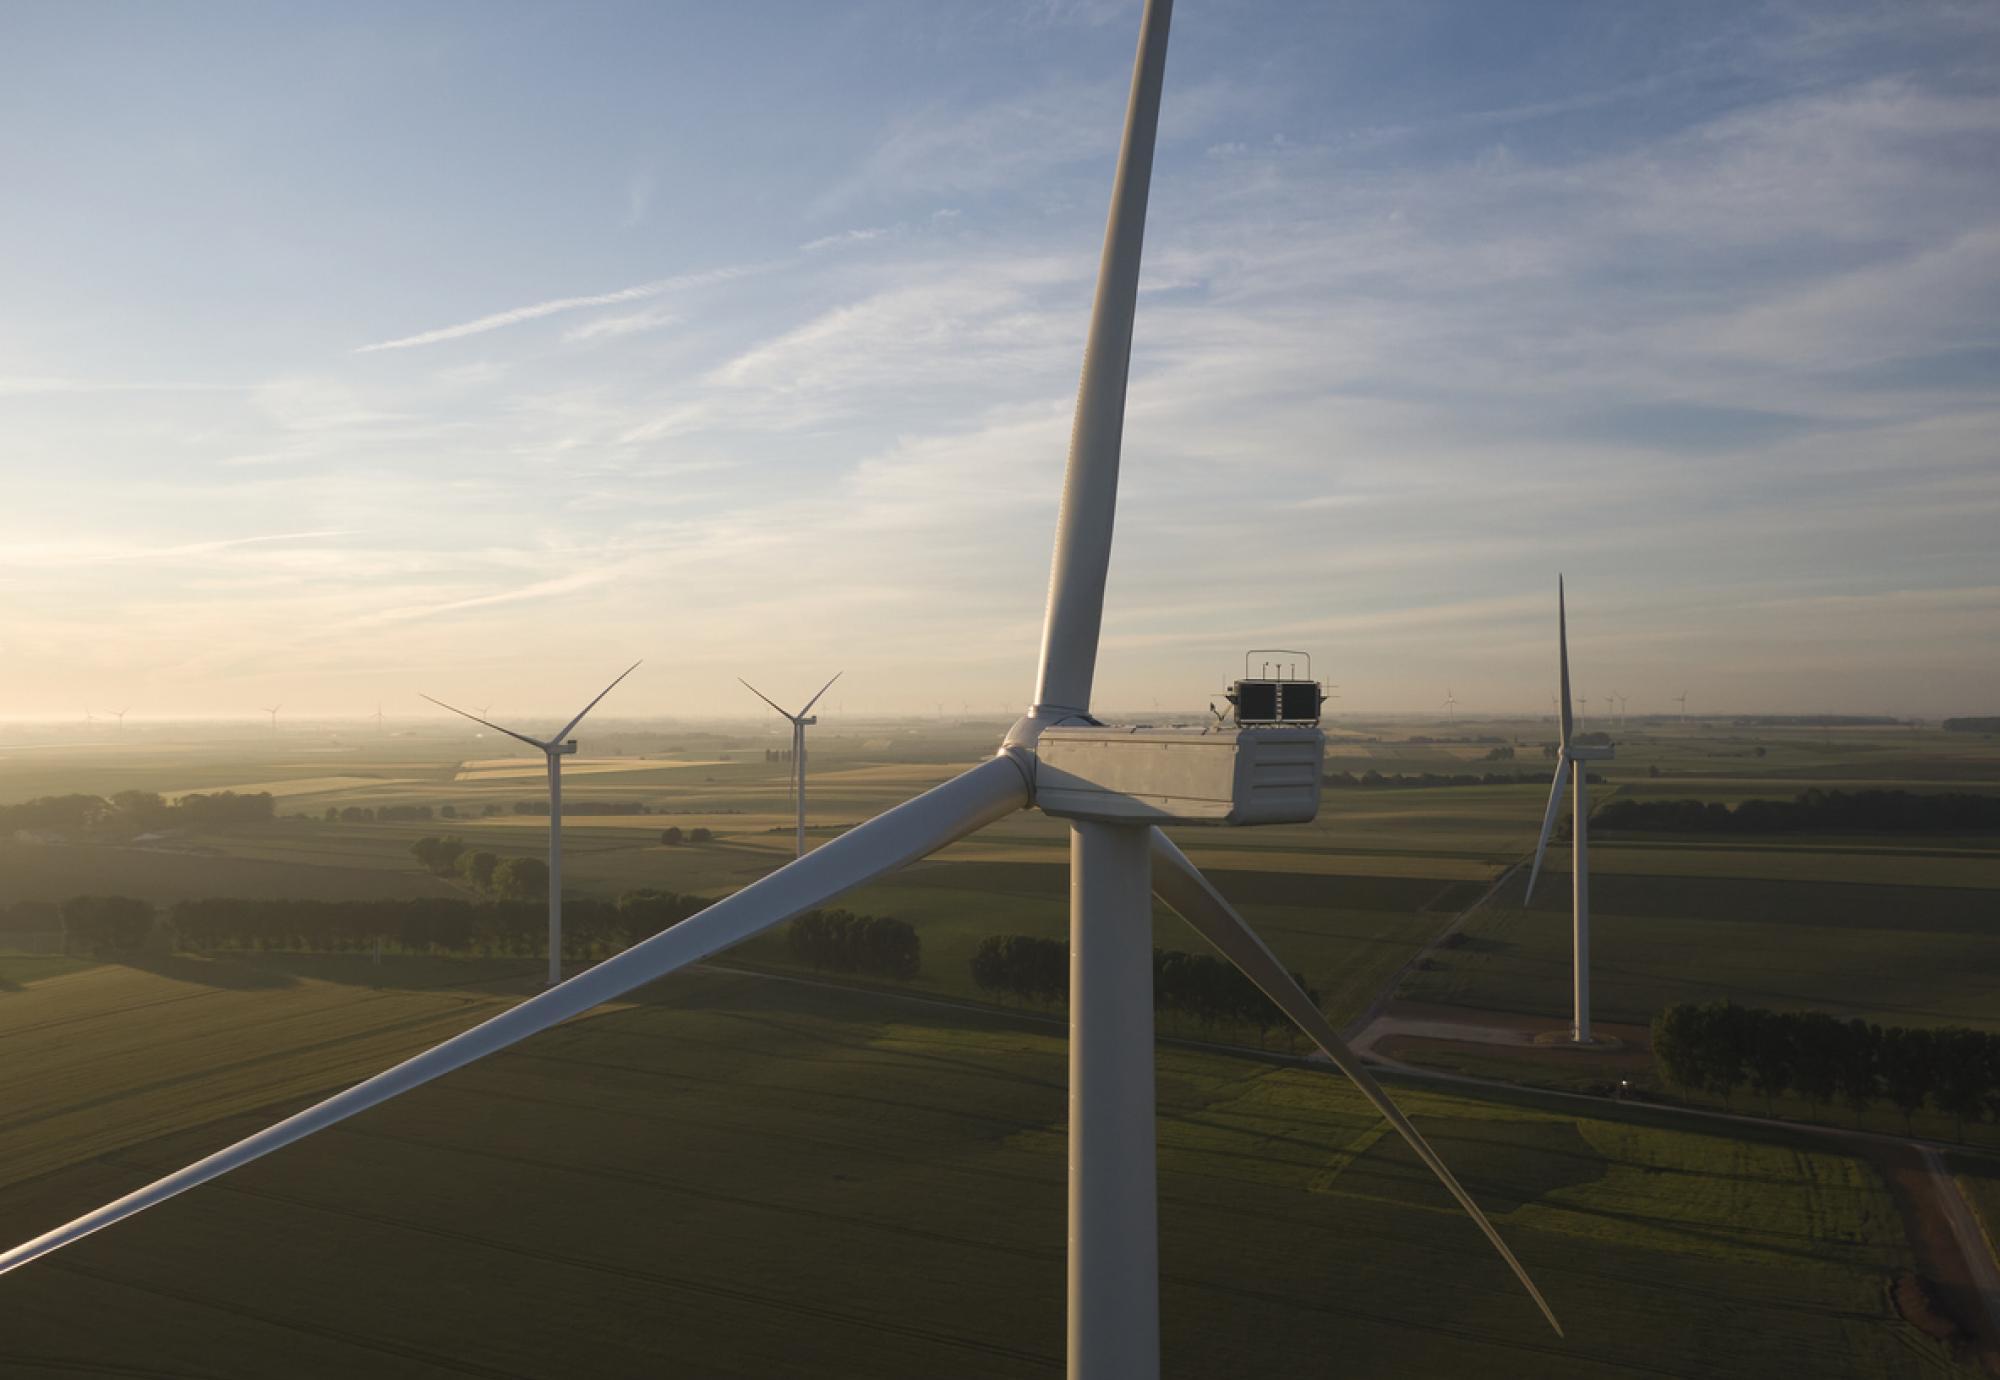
x=566 y=728
x=1090 y=483
x=822 y=690
x=536 y=743
x=1562 y=642
x=1548 y=824
x=993 y=789
x=1180 y=884
x=766 y=698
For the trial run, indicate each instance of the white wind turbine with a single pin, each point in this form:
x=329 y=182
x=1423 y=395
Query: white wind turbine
x=1117 y=856
x=1450 y=705
x=272 y=710
x=1569 y=751
x=1682 y=700
x=556 y=747
x=800 y=722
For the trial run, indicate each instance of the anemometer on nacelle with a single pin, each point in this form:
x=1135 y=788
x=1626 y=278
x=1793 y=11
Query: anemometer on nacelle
x=1276 y=694
x=1265 y=770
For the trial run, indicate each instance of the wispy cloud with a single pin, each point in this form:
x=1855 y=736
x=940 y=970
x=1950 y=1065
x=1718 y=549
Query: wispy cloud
x=515 y=316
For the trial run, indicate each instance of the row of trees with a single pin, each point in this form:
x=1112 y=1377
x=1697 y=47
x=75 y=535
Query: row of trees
x=106 y=925
x=672 y=835
x=845 y=942
x=1972 y=725
x=1339 y=780
x=1814 y=811
x=135 y=812
x=1721 y=1046
x=592 y=928
x=1200 y=986
x=510 y=879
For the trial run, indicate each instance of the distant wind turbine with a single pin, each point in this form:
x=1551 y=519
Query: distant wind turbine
x=1682 y=700
x=1450 y=705
x=556 y=747
x=272 y=710
x=1570 y=751
x=800 y=722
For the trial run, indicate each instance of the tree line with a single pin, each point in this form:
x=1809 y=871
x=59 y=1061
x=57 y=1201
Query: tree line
x=1719 y=1047
x=1200 y=986
x=1816 y=811
x=845 y=942
x=592 y=928
x=1972 y=725
x=136 y=812
x=1342 y=780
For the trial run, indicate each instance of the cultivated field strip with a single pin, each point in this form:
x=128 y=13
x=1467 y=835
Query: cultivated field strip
x=738 y=1177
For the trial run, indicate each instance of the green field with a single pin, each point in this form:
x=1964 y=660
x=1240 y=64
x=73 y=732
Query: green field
x=740 y=1177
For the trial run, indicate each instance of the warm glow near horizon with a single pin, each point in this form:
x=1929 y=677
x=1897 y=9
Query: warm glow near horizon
x=364 y=352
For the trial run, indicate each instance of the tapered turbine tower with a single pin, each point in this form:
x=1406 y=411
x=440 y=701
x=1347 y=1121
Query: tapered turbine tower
x=800 y=722
x=558 y=746
x=1113 y=787
x=1570 y=751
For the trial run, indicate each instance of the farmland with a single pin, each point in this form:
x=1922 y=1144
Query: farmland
x=837 y=1176
x=733 y=1176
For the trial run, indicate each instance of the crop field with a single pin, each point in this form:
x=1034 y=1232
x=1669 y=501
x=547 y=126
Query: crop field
x=737 y=1176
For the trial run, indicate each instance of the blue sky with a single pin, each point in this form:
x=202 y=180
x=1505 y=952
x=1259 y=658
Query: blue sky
x=351 y=351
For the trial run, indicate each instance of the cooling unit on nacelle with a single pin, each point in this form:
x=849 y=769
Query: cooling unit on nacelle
x=1277 y=694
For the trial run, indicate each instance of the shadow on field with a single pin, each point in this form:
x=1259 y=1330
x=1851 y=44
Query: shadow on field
x=209 y=972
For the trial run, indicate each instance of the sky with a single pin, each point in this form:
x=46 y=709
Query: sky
x=348 y=352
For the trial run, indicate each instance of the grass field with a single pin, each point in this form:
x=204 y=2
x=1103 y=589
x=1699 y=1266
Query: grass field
x=733 y=1176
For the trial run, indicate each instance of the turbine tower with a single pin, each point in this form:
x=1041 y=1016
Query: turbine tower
x=800 y=722
x=556 y=747
x=1569 y=751
x=1113 y=789
x=272 y=710
x=1450 y=705
x=1682 y=700
x=119 y=714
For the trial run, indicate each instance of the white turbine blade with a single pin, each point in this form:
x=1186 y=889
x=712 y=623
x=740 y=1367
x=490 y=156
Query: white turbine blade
x=993 y=789
x=766 y=698
x=535 y=743
x=1562 y=642
x=1090 y=485
x=1548 y=824
x=565 y=732
x=1180 y=884
x=822 y=690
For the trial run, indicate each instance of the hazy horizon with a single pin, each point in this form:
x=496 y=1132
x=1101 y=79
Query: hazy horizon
x=477 y=352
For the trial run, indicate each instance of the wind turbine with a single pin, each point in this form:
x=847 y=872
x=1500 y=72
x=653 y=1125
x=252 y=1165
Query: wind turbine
x=1570 y=751
x=557 y=746
x=1118 y=855
x=1450 y=705
x=378 y=716
x=800 y=722
x=1682 y=700
x=119 y=714
x=272 y=710
x=1622 y=702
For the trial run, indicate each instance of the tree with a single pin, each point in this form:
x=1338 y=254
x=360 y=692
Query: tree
x=522 y=879
x=1907 y=1068
x=671 y=834
x=1677 y=1046
x=105 y=925
x=1859 y=1081
x=700 y=835
x=1816 y=1057
x=1772 y=1053
x=1963 y=1067
x=478 y=868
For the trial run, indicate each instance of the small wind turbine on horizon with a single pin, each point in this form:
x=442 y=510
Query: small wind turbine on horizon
x=1121 y=860
x=800 y=722
x=1682 y=700
x=1569 y=751
x=557 y=746
x=1450 y=705
x=272 y=710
